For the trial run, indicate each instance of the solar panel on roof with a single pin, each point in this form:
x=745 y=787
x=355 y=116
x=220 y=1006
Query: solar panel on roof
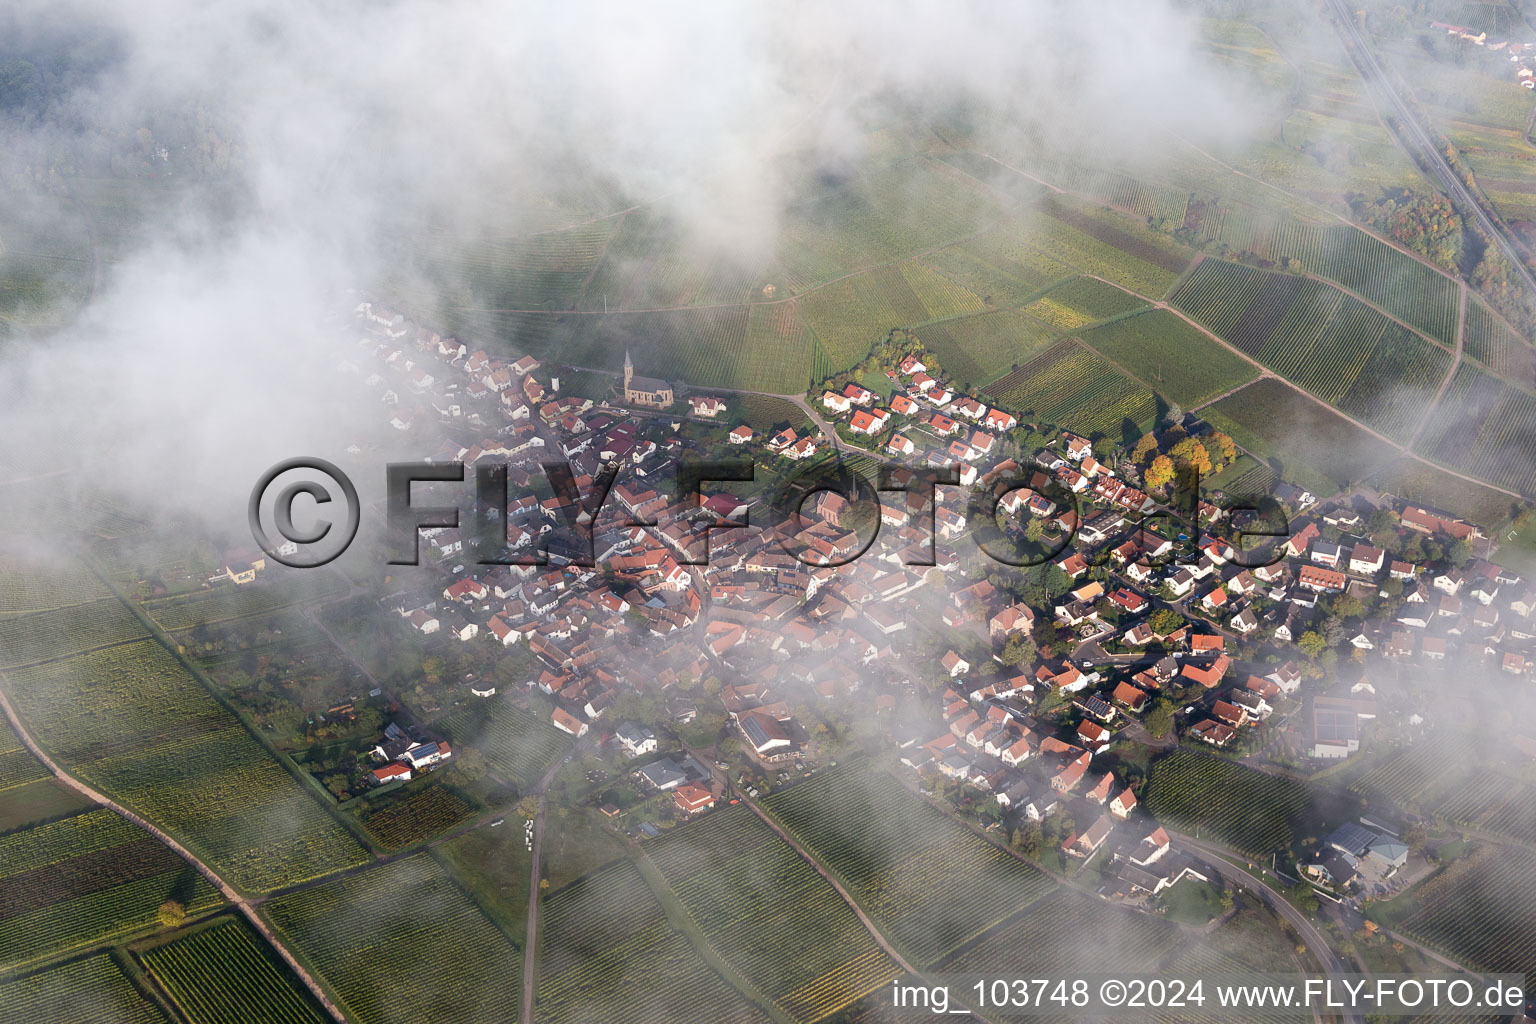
x=1334 y=726
x=1352 y=837
x=755 y=731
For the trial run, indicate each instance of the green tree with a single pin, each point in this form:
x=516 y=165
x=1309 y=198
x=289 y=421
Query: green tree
x=1029 y=839
x=1224 y=445
x=1312 y=643
x=1014 y=651
x=172 y=914
x=1348 y=606
x=1190 y=452
x=1165 y=621
x=467 y=766
x=1159 y=721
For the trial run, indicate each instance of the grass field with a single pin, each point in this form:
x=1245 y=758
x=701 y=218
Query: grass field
x=515 y=742
x=492 y=865
x=130 y=721
x=1221 y=800
x=88 y=991
x=770 y=914
x=1171 y=357
x=1425 y=485
x=38 y=802
x=226 y=975
x=1071 y=386
x=85 y=880
x=1304 y=441
x=399 y=939
x=977 y=349
x=608 y=953
x=931 y=883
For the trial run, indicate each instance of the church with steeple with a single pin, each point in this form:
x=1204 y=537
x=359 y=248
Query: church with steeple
x=646 y=392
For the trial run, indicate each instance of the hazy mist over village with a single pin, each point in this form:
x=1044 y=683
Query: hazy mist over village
x=834 y=514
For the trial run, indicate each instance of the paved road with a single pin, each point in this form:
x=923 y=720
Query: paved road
x=1414 y=134
x=1216 y=858
x=229 y=891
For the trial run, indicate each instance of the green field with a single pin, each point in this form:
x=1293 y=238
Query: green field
x=1246 y=476
x=228 y=602
x=45 y=258
x=849 y=316
x=398 y=821
x=89 y=991
x=931 y=883
x=1063 y=931
x=1171 y=357
x=400 y=941
x=1480 y=910
x=1071 y=386
x=607 y=952
x=1081 y=301
x=17 y=765
x=1371 y=268
x=1415 y=775
x=1425 y=485
x=1495 y=344
x=225 y=975
x=1483 y=426
x=977 y=349
x=38 y=802
x=86 y=880
x=27 y=586
x=130 y=721
x=1223 y=801
x=770 y=914
x=1433 y=776
x=1327 y=342
x=1305 y=442
x=52 y=636
x=515 y=742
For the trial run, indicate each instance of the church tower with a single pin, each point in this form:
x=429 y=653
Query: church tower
x=629 y=371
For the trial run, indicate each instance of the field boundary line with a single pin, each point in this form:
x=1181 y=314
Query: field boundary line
x=1450 y=374
x=77 y=654
x=1406 y=452
x=683 y=921
x=228 y=891
x=308 y=783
